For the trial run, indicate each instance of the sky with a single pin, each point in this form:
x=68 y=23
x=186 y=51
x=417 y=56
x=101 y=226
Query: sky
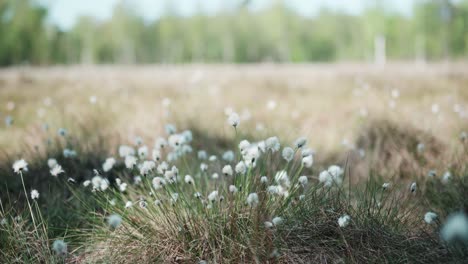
x=65 y=13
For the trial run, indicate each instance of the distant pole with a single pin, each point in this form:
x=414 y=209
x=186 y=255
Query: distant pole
x=379 y=50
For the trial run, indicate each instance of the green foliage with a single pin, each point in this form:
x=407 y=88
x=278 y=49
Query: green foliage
x=436 y=30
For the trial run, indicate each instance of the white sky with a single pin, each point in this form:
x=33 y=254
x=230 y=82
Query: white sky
x=65 y=12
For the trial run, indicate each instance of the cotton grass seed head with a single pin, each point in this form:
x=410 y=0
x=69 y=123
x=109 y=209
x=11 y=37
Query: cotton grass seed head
x=108 y=164
x=300 y=142
x=213 y=196
x=232 y=189
x=146 y=167
x=244 y=145
x=143 y=152
x=228 y=156
x=114 y=221
x=303 y=180
x=202 y=155
x=227 y=170
x=125 y=150
x=386 y=185
x=252 y=199
x=308 y=161
x=432 y=174
x=344 y=221
x=288 y=154
x=59 y=247
x=272 y=144
x=34 y=194
x=264 y=179
x=203 y=167
x=241 y=167
x=188 y=179
x=51 y=163
x=430 y=217
x=446 y=177
x=277 y=221
x=455 y=229
x=413 y=187
x=20 y=166
x=332 y=175
x=158 y=183
x=56 y=170
x=234 y=119
x=130 y=161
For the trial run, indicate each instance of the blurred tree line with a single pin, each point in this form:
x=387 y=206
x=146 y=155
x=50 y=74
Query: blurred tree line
x=438 y=29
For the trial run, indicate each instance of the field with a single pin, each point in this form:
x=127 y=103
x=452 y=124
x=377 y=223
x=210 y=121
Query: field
x=402 y=124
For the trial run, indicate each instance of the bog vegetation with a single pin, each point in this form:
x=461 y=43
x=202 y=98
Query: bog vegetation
x=253 y=193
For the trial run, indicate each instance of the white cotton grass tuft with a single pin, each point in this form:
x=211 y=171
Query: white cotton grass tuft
x=234 y=119
x=123 y=187
x=308 y=161
x=51 y=163
x=303 y=180
x=288 y=154
x=228 y=156
x=59 y=247
x=128 y=204
x=333 y=175
x=264 y=179
x=344 y=221
x=20 y=166
x=300 y=142
x=241 y=168
x=252 y=199
x=446 y=177
x=272 y=144
x=146 y=167
x=156 y=155
x=125 y=150
x=277 y=221
x=227 y=170
x=202 y=155
x=432 y=174
x=413 y=187
x=244 y=145
x=130 y=161
x=108 y=164
x=203 y=167
x=34 y=194
x=56 y=170
x=143 y=152
x=158 y=183
x=430 y=217
x=232 y=189
x=160 y=143
x=188 y=179
x=386 y=185
x=455 y=229
x=213 y=196
x=114 y=221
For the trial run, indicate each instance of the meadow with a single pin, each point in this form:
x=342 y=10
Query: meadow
x=261 y=163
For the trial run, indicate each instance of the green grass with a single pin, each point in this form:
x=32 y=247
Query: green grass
x=386 y=225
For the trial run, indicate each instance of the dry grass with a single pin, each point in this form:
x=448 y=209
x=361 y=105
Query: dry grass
x=321 y=102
